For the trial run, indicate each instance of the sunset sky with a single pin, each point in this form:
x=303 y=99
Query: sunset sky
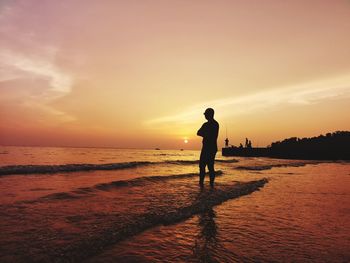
x=141 y=73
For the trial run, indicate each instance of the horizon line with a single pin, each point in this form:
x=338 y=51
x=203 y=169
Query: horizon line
x=146 y=148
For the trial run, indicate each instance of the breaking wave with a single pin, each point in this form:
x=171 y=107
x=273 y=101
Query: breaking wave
x=270 y=166
x=140 y=181
x=32 y=169
x=42 y=169
x=197 y=161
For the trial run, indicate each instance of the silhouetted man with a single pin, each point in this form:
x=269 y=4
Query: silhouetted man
x=209 y=131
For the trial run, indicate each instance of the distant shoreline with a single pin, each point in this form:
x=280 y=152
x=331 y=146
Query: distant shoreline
x=256 y=152
x=332 y=146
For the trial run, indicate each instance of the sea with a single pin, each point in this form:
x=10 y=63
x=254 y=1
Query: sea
x=132 y=205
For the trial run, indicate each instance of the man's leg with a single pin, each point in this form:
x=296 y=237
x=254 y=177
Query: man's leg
x=202 y=164
x=211 y=169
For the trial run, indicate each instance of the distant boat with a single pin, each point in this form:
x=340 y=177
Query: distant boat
x=157 y=149
x=181 y=149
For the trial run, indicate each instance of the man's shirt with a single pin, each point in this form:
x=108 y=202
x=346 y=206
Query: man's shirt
x=209 y=131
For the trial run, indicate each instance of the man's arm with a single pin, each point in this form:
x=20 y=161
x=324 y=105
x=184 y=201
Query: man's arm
x=201 y=131
x=217 y=131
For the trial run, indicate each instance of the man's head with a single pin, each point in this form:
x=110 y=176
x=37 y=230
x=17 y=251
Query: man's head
x=209 y=114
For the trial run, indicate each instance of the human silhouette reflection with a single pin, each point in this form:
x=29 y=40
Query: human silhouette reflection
x=206 y=242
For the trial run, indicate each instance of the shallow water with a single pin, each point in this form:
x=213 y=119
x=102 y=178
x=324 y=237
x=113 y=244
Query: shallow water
x=157 y=212
x=302 y=216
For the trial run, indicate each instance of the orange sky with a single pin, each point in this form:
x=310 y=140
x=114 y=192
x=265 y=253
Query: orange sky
x=141 y=73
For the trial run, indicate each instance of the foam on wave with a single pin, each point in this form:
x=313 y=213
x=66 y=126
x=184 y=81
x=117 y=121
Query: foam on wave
x=42 y=169
x=197 y=161
x=270 y=166
x=140 y=181
x=33 y=169
x=147 y=180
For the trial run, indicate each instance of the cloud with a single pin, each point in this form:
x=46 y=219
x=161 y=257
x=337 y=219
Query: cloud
x=30 y=78
x=18 y=65
x=31 y=72
x=299 y=94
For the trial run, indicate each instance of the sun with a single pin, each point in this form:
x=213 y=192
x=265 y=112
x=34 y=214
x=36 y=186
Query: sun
x=185 y=141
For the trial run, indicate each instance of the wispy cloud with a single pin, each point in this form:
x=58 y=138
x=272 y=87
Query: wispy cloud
x=30 y=78
x=299 y=94
x=21 y=65
x=15 y=66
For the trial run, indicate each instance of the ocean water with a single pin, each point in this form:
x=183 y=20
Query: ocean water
x=118 y=205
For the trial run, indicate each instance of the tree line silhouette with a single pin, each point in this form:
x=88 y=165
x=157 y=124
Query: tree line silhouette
x=332 y=146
